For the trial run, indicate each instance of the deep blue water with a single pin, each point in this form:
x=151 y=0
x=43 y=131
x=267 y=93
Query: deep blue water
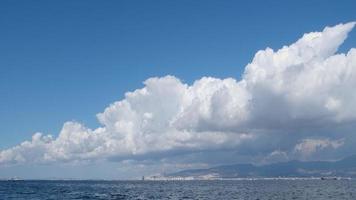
x=257 y=189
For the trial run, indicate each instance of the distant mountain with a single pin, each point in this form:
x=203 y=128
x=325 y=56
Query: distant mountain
x=342 y=168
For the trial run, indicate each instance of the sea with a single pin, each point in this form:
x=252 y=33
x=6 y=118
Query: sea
x=226 y=189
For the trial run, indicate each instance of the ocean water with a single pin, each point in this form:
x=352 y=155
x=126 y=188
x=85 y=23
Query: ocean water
x=256 y=189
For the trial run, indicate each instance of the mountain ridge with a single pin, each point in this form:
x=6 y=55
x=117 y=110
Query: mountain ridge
x=345 y=167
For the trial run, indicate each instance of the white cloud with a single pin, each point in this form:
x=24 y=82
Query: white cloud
x=276 y=156
x=307 y=147
x=304 y=82
x=303 y=86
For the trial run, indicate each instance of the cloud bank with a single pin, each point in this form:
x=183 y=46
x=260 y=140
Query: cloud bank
x=296 y=101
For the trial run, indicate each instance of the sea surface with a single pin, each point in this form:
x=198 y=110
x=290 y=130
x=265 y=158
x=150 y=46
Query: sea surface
x=242 y=189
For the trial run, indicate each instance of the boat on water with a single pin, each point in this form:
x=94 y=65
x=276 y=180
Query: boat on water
x=335 y=178
x=329 y=178
x=15 y=179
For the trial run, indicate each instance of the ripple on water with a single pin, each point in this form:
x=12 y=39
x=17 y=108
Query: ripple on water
x=243 y=190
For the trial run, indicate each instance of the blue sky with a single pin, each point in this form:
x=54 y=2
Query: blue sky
x=63 y=61
x=68 y=60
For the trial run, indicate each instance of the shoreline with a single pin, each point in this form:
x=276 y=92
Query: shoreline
x=148 y=179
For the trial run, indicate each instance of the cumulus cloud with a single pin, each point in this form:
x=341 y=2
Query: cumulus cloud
x=309 y=146
x=288 y=93
x=275 y=156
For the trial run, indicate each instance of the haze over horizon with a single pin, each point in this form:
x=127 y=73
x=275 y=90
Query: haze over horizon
x=293 y=101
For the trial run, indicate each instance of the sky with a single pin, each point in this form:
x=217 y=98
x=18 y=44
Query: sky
x=121 y=89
